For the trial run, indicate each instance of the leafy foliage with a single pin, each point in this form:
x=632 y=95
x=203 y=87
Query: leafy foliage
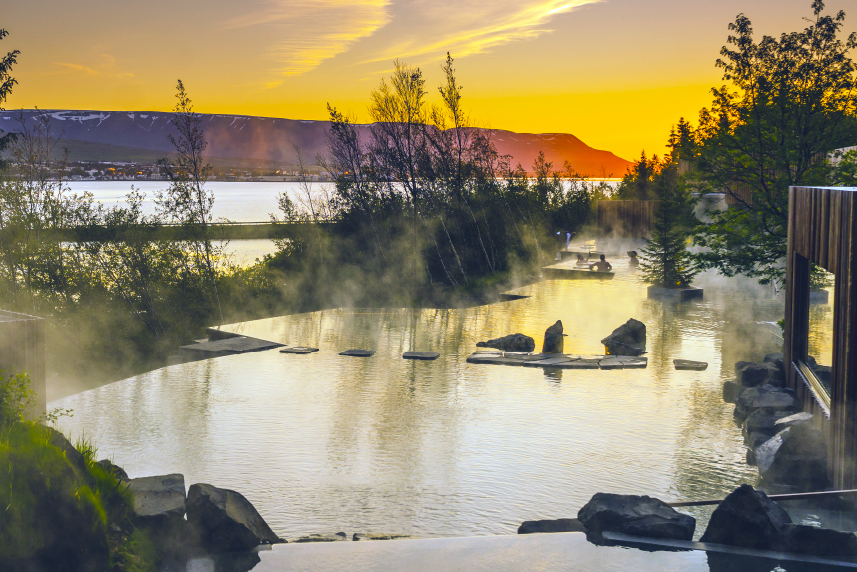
x=791 y=100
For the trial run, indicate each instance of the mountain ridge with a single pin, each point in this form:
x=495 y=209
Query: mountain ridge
x=272 y=138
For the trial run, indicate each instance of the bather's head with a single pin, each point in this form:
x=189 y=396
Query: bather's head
x=602 y=257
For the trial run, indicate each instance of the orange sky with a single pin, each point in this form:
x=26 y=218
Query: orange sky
x=616 y=73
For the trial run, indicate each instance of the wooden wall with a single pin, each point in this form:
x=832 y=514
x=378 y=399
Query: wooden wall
x=22 y=348
x=823 y=229
x=625 y=219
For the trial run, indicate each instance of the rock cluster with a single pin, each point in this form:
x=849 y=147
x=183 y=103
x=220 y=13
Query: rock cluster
x=781 y=441
x=629 y=339
x=510 y=343
x=748 y=518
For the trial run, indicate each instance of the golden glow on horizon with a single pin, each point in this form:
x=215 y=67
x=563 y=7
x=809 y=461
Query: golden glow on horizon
x=615 y=73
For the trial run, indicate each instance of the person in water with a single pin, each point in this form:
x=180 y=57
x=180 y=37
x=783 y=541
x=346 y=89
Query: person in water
x=581 y=260
x=601 y=266
x=634 y=261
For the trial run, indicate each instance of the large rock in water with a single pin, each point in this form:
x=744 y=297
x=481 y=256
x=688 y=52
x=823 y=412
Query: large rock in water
x=748 y=518
x=751 y=374
x=764 y=396
x=629 y=339
x=510 y=343
x=225 y=521
x=796 y=456
x=553 y=339
x=636 y=515
x=158 y=498
x=557 y=525
x=824 y=542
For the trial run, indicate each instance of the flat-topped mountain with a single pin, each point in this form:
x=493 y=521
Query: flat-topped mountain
x=114 y=135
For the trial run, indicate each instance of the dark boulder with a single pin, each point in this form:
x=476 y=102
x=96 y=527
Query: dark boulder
x=157 y=498
x=636 y=515
x=752 y=374
x=225 y=521
x=75 y=458
x=553 y=339
x=731 y=391
x=510 y=343
x=114 y=470
x=629 y=339
x=776 y=359
x=764 y=396
x=365 y=536
x=823 y=542
x=557 y=525
x=762 y=424
x=748 y=518
x=337 y=537
x=796 y=457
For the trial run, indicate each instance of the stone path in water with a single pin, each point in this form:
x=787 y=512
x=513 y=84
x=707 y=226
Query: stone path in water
x=561 y=361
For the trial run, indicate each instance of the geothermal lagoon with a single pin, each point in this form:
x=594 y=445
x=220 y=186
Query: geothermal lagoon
x=321 y=443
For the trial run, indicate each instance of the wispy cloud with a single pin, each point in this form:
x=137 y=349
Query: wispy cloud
x=467 y=27
x=311 y=31
x=107 y=68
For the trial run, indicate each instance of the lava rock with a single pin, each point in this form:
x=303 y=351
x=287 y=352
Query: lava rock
x=748 y=518
x=364 y=536
x=553 y=339
x=338 y=537
x=753 y=374
x=796 y=456
x=776 y=359
x=629 y=339
x=731 y=391
x=225 y=521
x=158 y=498
x=557 y=525
x=824 y=542
x=114 y=470
x=762 y=422
x=636 y=515
x=510 y=343
x=686 y=364
x=764 y=396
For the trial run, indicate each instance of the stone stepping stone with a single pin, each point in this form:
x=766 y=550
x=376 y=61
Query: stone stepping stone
x=611 y=363
x=358 y=353
x=631 y=362
x=690 y=364
x=298 y=350
x=549 y=362
x=425 y=356
x=580 y=364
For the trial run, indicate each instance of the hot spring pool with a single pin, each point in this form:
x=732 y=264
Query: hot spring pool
x=325 y=443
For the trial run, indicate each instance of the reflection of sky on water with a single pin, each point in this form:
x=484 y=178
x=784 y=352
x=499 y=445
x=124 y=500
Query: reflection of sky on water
x=322 y=443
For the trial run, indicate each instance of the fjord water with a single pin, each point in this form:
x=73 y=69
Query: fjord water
x=326 y=443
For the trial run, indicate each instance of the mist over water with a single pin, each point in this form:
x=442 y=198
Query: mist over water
x=323 y=443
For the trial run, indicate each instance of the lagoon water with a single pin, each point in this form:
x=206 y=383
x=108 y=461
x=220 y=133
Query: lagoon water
x=326 y=443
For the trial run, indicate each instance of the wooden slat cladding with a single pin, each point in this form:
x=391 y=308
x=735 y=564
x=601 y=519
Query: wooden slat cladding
x=625 y=219
x=22 y=348
x=823 y=230
x=739 y=194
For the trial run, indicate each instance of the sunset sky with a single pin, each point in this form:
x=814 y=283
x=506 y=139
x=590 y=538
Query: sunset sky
x=616 y=73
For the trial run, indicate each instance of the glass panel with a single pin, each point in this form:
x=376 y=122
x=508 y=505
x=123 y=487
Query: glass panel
x=820 y=337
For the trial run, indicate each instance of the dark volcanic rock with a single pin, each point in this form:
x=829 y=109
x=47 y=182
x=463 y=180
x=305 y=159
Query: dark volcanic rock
x=763 y=423
x=731 y=391
x=557 y=525
x=225 y=521
x=776 y=359
x=553 y=339
x=803 y=418
x=158 y=498
x=764 y=396
x=748 y=518
x=364 y=536
x=753 y=374
x=338 y=537
x=510 y=343
x=796 y=456
x=629 y=339
x=114 y=470
x=637 y=515
x=824 y=542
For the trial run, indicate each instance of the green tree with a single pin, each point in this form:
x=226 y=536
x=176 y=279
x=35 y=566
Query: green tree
x=6 y=84
x=637 y=184
x=666 y=261
x=188 y=202
x=790 y=101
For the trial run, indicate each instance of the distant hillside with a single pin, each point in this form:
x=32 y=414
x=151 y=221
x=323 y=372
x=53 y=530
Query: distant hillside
x=141 y=136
